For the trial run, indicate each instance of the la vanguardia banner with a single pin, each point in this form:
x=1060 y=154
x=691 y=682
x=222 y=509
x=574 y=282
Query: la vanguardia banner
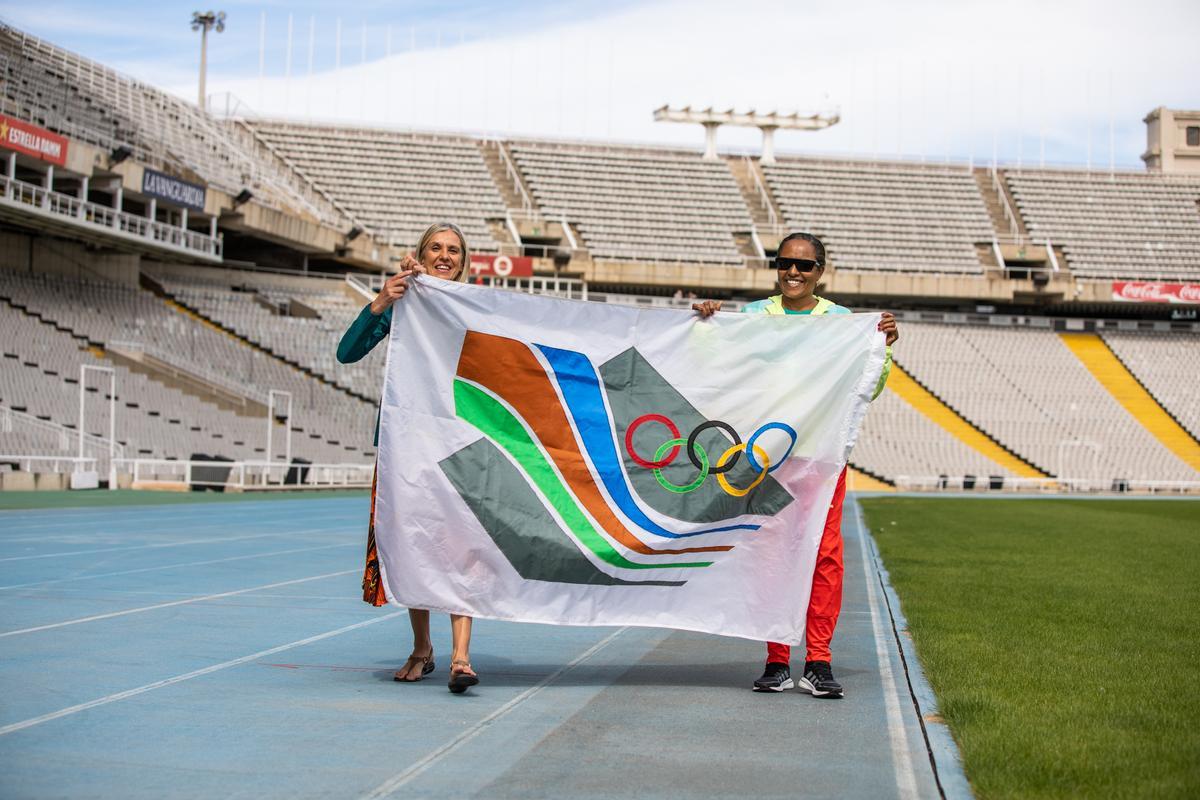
x=576 y=463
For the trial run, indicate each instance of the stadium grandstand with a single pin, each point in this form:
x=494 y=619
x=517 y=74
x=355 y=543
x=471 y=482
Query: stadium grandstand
x=173 y=285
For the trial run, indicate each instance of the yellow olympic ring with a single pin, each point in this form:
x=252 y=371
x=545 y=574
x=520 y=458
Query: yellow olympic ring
x=730 y=453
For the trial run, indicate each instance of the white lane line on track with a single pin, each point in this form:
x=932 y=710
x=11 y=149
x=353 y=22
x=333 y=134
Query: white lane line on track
x=906 y=779
x=187 y=676
x=101 y=528
x=128 y=611
x=127 y=548
x=61 y=593
x=124 y=525
x=270 y=554
x=396 y=781
x=53 y=515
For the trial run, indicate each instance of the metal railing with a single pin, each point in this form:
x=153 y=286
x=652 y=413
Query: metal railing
x=102 y=219
x=1042 y=242
x=86 y=448
x=648 y=301
x=514 y=175
x=764 y=196
x=1010 y=216
x=11 y=420
x=570 y=288
x=363 y=287
x=568 y=233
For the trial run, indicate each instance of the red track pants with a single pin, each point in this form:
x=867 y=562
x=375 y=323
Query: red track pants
x=825 y=602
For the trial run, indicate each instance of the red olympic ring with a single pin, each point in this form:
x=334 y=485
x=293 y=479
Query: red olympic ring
x=629 y=441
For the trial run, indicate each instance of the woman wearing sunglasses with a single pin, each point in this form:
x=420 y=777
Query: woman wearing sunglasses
x=801 y=263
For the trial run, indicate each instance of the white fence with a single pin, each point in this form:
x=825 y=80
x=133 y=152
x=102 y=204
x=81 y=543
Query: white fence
x=55 y=464
x=38 y=445
x=152 y=473
x=1006 y=484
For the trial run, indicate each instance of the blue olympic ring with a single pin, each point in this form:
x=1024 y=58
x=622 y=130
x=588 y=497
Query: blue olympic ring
x=779 y=426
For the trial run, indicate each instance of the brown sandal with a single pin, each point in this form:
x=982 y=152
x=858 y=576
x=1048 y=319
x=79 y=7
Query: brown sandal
x=427 y=666
x=460 y=681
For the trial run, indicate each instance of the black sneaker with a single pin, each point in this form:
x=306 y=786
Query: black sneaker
x=818 y=680
x=775 y=678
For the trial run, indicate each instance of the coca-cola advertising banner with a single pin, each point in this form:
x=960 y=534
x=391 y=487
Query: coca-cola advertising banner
x=1145 y=292
x=32 y=141
x=501 y=266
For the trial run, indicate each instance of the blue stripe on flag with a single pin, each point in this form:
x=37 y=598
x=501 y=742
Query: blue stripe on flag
x=581 y=391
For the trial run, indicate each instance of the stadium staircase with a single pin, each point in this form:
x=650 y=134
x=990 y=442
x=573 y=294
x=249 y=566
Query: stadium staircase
x=995 y=209
x=502 y=235
x=764 y=210
x=510 y=184
x=175 y=304
x=265 y=151
x=995 y=204
x=101 y=350
x=1112 y=374
x=161 y=368
x=938 y=411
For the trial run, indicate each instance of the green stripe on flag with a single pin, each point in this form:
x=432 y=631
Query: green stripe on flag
x=499 y=424
x=511 y=512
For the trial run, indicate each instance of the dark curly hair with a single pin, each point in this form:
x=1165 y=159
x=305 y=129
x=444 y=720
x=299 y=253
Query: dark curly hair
x=817 y=246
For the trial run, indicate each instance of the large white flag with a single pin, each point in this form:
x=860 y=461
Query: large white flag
x=556 y=461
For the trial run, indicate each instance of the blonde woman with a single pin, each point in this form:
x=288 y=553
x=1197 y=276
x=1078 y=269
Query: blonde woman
x=443 y=253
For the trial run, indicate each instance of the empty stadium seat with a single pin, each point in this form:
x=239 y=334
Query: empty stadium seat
x=639 y=204
x=396 y=183
x=1123 y=226
x=885 y=217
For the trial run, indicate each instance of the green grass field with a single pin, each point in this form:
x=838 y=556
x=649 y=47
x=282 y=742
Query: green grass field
x=1062 y=638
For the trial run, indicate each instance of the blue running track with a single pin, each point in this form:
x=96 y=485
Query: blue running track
x=222 y=650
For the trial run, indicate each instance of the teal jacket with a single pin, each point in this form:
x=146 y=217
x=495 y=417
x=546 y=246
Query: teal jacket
x=366 y=331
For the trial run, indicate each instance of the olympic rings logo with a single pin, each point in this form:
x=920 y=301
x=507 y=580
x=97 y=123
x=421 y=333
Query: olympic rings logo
x=756 y=456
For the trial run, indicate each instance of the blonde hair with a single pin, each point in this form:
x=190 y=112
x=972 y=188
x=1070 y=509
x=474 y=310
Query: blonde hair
x=438 y=227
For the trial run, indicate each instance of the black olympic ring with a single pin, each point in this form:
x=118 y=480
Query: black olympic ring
x=691 y=446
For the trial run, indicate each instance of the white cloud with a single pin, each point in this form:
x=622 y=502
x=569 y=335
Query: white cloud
x=917 y=78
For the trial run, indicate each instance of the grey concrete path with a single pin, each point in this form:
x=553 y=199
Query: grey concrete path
x=681 y=721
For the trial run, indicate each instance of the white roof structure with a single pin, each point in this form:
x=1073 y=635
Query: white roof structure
x=768 y=123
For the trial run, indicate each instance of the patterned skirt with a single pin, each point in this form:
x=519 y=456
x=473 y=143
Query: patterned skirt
x=372 y=586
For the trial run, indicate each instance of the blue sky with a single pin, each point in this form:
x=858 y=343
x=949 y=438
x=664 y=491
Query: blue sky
x=1035 y=80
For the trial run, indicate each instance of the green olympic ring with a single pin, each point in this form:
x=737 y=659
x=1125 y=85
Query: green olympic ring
x=694 y=485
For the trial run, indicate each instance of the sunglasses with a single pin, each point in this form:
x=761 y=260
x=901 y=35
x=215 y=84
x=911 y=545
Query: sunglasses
x=801 y=264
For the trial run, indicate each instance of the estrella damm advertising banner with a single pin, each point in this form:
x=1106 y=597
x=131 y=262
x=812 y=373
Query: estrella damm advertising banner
x=565 y=462
x=32 y=141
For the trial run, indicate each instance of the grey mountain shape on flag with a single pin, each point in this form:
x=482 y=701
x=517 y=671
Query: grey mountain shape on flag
x=635 y=388
x=513 y=516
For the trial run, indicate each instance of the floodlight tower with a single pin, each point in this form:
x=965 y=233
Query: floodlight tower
x=203 y=22
x=767 y=123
